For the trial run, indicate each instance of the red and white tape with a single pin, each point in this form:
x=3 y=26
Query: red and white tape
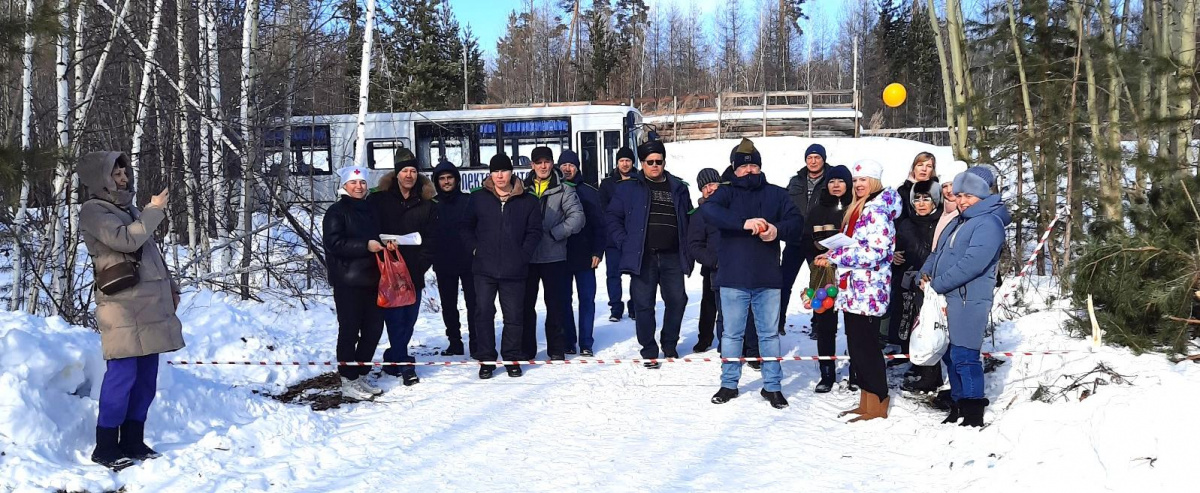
x=1008 y=354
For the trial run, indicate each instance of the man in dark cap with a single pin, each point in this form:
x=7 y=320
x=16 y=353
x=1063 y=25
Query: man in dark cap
x=804 y=190
x=502 y=229
x=612 y=251
x=647 y=219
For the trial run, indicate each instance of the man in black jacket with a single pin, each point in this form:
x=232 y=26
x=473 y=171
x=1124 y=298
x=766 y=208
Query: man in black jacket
x=502 y=229
x=612 y=251
x=350 y=235
x=805 y=190
x=451 y=260
x=584 y=251
x=403 y=204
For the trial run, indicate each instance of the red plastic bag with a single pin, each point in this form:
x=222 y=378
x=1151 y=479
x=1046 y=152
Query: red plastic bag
x=395 y=284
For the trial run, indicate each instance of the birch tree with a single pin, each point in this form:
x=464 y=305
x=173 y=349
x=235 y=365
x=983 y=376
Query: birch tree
x=249 y=40
x=14 y=301
x=364 y=88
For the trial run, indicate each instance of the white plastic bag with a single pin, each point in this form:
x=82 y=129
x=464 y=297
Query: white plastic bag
x=931 y=334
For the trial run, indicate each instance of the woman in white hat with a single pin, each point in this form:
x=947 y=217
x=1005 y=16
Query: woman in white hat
x=350 y=234
x=864 y=281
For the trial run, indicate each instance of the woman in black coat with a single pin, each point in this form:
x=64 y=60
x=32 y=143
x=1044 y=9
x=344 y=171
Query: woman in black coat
x=825 y=220
x=914 y=236
x=350 y=235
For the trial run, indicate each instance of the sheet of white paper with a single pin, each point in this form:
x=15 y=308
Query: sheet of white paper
x=837 y=241
x=408 y=239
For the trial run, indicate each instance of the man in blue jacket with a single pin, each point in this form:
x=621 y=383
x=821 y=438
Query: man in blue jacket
x=612 y=251
x=584 y=251
x=963 y=268
x=502 y=229
x=647 y=219
x=752 y=216
x=451 y=259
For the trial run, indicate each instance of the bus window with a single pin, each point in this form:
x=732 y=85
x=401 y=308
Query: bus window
x=520 y=137
x=488 y=146
x=451 y=141
x=612 y=142
x=381 y=154
x=588 y=157
x=309 y=145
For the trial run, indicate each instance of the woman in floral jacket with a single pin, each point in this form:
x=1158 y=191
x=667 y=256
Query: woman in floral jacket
x=864 y=280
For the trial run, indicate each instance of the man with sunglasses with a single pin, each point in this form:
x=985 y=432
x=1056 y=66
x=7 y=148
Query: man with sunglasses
x=647 y=220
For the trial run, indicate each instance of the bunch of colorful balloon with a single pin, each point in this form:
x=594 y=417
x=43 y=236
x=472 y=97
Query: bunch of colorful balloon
x=820 y=299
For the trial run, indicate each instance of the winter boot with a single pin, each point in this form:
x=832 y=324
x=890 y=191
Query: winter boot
x=928 y=379
x=485 y=371
x=952 y=417
x=775 y=398
x=724 y=395
x=860 y=409
x=972 y=411
x=367 y=387
x=352 y=390
x=108 y=452
x=586 y=352
x=873 y=407
x=132 y=441
x=514 y=371
x=702 y=345
x=409 y=378
x=455 y=349
x=652 y=365
x=943 y=401
x=852 y=381
x=755 y=365
x=828 y=374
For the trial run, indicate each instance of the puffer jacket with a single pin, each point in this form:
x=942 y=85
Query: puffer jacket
x=562 y=216
x=400 y=216
x=865 y=269
x=140 y=320
x=590 y=241
x=348 y=226
x=502 y=234
x=963 y=267
x=451 y=255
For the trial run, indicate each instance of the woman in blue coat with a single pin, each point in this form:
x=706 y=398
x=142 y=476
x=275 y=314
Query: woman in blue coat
x=963 y=268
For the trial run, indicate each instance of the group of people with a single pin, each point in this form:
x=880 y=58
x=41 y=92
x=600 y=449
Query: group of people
x=511 y=239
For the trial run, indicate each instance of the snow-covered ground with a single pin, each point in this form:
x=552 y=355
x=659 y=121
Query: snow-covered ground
x=602 y=427
x=594 y=427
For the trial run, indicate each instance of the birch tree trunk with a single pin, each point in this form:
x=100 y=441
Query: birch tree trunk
x=364 y=78
x=1110 y=155
x=185 y=148
x=1186 y=61
x=219 y=202
x=139 y=122
x=58 y=226
x=959 y=71
x=249 y=40
x=18 y=278
x=947 y=84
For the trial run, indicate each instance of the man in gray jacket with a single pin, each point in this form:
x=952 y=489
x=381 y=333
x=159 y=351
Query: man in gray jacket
x=562 y=216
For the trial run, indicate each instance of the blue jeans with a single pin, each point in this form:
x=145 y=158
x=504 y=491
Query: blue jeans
x=400 y=322
x=736 y=305
x=127 y=391
x=965 y=370
x=585 y=283
x=659 y=270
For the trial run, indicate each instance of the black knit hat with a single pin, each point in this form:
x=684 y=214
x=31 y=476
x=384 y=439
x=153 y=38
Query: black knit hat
x=928 y=187
x=625 y=153
x=500 y=162
x=404 y=158
x=706 y=176
x=541 y=152
x=840 y=172
x=651 y=147
x=745 y=153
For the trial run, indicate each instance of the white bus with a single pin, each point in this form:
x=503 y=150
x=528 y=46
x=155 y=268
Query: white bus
x=466 y=138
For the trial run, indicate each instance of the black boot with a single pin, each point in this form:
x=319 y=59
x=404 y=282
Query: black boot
x=928 y=379
x=108 y=451
x=485 y=371
x=702 y=345
x=972 y=411
x=514 y=370
x=724 y=395
x=953 y=416
x=828 y=374
x=455 y=349
x=133 y=441
x=775 y=398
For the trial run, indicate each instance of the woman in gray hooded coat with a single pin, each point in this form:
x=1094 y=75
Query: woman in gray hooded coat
x=136 y=323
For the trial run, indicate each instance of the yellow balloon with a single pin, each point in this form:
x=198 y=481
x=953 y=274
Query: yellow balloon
x=894 y=95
